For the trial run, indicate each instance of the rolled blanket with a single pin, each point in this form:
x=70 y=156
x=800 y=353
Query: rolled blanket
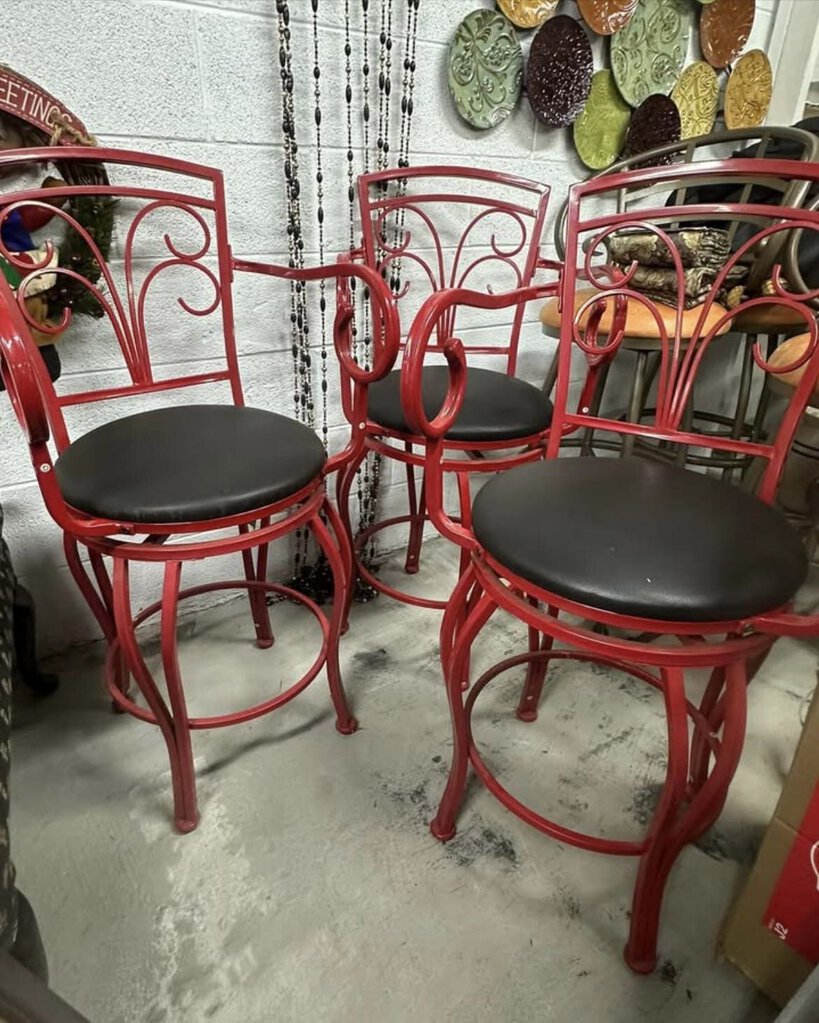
x=661 y=285
x=697 y=246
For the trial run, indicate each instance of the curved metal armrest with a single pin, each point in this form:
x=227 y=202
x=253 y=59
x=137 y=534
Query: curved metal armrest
x=418 y=340
x=786 y=623
x=20 y=377
x=385 y=340
x=435 y=429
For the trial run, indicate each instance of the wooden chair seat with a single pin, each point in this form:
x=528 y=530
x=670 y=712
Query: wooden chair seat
x=641 y=325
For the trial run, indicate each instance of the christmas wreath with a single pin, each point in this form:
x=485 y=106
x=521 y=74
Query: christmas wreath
x=30 y=117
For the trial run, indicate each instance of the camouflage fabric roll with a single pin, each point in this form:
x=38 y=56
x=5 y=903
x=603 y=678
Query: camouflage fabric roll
x=660 y=285
x=697 y=246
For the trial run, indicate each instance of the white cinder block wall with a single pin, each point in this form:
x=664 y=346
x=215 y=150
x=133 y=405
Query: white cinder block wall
x=199 y=79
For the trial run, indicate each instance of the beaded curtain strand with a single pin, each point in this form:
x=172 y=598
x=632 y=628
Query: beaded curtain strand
x=312 y=578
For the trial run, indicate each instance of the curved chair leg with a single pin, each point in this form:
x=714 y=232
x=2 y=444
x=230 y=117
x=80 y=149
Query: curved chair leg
x=670 y=830
x=345 y=547
x=712 y=708
x=100 y=601
x=175 y=732
x=443 y=825
x=655 y=865
x=256 y=597
x=535 y=671
x=342 y=583
x=344 y=483
x=417 y=511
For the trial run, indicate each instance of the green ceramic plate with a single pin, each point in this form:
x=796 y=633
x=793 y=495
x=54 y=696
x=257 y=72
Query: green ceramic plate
x=600 y=130
x=485 y=68
x=648 y=54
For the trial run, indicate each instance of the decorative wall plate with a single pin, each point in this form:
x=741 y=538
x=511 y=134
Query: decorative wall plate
x=647 y=54
x=724 y=29
x=485 y=68
x=748 y=92
x=654 y=123
x=528 y=13
x=696 y=95
x=600 y=130
x=606 y=16
x=559 y=71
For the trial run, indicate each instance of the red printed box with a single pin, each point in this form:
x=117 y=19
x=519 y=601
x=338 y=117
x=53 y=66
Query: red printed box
x=772 y=930
x=793 y=911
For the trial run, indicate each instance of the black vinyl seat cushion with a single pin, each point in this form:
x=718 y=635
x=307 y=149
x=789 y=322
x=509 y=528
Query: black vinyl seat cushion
x=496 y=406
x=188 y=463
x=640 y=538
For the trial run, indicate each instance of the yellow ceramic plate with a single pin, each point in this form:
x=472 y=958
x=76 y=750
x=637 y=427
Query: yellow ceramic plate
x=528 y=13
x=600 y=130
x=748 y=93
x=696 y=94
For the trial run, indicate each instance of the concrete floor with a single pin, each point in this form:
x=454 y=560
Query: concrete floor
x=313 y=890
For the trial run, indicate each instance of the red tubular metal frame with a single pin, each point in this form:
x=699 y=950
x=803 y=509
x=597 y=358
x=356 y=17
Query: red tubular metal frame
x=386 y=246
x=40 y=412
x=700 y=767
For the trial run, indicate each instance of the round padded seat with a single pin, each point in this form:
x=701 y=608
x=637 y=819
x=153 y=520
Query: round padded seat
x=188 y=464
x=496 y=406
x=640 y=538
x=773 y=318
x=787 y=354
x=640 y=323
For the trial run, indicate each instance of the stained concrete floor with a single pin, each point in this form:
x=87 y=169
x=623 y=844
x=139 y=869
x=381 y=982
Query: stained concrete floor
x=312 y=889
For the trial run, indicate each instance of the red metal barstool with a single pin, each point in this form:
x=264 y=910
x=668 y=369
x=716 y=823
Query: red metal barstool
x=426 y=229
x=703 y=572
x=155 y=486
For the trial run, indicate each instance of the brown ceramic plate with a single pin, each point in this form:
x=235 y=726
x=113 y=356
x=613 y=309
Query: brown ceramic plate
x=558 y=74
x=748 y=92
x=528 y=13
x=606 y=16
x=654 y=123
x=724 y=29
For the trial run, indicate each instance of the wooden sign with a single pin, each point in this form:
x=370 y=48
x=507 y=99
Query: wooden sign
x=22 y=98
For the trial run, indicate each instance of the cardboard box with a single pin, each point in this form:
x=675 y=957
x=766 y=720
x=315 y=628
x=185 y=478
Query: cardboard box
x=772 y=931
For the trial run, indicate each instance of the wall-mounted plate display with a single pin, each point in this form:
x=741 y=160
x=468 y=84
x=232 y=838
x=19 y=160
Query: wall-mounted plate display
x=648 y=54
x=696 y=95
x=559 y=71
x=485 y=68
x=600 y=130
x=654 y=123
x=748 y=92
x=528 y=13
x=725 y=26
x=606 y=16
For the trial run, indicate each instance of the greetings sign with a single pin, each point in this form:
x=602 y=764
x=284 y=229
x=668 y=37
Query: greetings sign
x=793 y=910
x=22 y=98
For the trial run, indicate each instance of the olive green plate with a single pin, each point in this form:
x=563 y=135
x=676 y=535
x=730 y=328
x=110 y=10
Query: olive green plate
x=600 y=130
x=485 y=68
x=648 y=54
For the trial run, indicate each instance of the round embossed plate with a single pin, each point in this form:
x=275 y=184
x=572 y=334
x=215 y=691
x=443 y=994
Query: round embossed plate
x=724 y=29
x=600 y=130
x=696 y=95
x=654 y=123
x=748 y=92
x=485 y=68
x=606 y=16
x=528 y=13
x=647 y=54
x=559 y=71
